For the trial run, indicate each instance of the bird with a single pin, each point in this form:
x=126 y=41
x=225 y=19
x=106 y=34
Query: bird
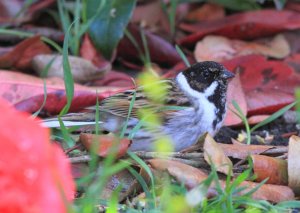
x=194 y=104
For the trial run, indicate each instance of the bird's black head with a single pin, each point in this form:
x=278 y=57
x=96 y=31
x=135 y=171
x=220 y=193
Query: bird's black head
x=202 y=74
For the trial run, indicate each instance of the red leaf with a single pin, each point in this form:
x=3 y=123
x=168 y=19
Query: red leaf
x=21 y=55
x=269 y=85
x=34 y=173
x=114 y=79
x=106 y=143
x=27 y=93
x=89 y=52
x=246 y=25
x=161 y=51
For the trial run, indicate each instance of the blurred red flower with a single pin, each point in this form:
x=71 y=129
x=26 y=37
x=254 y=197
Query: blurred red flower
x=34 y=174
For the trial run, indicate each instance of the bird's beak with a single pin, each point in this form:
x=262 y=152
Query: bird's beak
x=227 y=74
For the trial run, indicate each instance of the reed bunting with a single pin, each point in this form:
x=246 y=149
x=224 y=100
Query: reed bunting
x=198 y=94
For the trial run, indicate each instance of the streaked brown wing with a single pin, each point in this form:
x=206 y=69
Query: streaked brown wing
x=119 y=104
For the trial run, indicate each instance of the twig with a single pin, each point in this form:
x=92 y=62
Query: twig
x=149 y=155
x=240 y=163
x=277 y=150
x=80 y=159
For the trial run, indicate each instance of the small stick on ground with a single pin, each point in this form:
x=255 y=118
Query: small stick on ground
x=80 y=159
x=149 y=155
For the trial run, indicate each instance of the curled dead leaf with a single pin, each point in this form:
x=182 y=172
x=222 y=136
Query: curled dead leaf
x=82 y=69
x=106 y=144
x=214 y=154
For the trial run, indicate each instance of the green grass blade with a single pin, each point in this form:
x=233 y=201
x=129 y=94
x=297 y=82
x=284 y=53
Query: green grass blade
x=141 y=180
x=66 y=136
x=274 y=116
x=64 y=16
x=27 y=35
x=44 y=100
x=135 y=44
x=182 y=55
x=25 y=6
x=43 y=75
x=128 y=115
x=143 y=165
x=68 y=78
x=146 y=48
x=113 y=202
x=289 y=204
x=76 y=40
x=249 y=193
x=241 y=115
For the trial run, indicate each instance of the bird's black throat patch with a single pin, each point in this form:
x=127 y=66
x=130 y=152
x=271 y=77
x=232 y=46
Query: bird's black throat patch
x=218 y=98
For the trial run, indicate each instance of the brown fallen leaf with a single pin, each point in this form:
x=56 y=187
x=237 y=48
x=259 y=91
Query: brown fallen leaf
x=241 y=151
x=82 y=69
x=206 y=12
x=183 y=173
x=90 y=53
x=106 y=144
x=235 y=92
x=270 y=192
x=269 y=167
x=294 y=164
x=219 y=48
x=213 y=154
x=192 y=177
x=151 y=15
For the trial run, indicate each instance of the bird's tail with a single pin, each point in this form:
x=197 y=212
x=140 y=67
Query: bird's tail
x=71 y=119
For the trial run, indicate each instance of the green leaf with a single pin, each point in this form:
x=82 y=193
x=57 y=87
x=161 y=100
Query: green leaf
x=108 y=27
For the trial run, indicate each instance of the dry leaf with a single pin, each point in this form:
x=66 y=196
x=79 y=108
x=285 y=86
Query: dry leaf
x=183 y=173
x=106 y=144
x=270 y=192
x=218 y=48
x=214 y=154
x=192 y=177
x=268 y=167
x=206 y=12
x=82 y=69
x=241 y=151
x=294 y=164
